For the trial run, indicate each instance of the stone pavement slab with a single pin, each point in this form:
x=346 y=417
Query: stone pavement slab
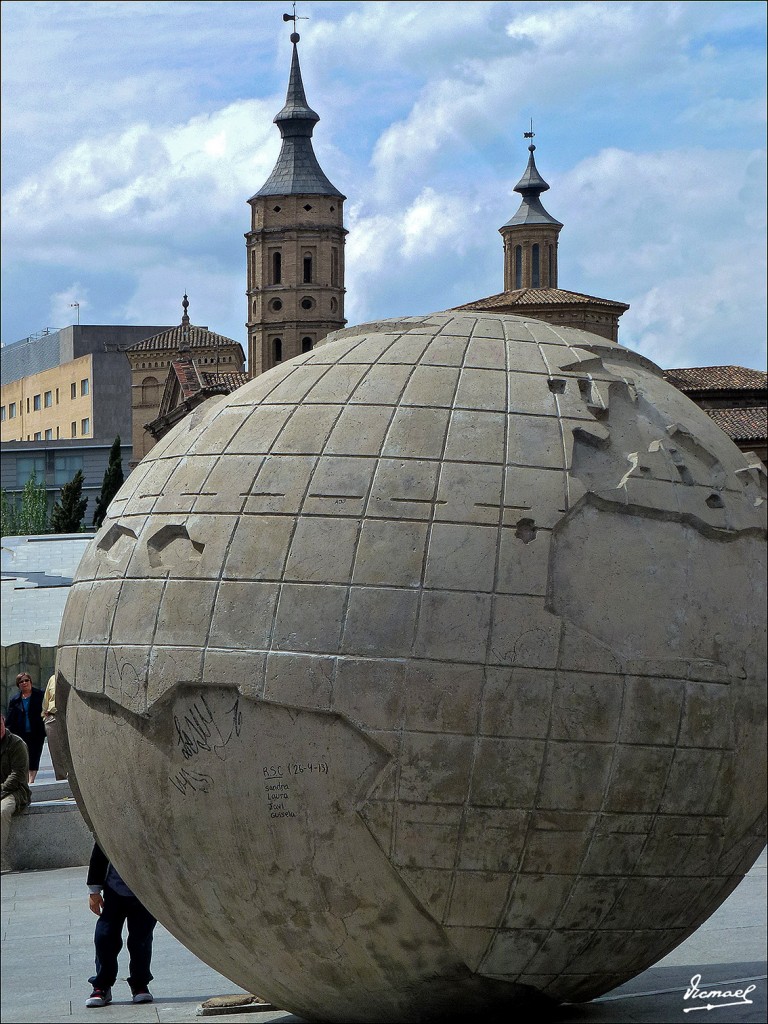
x=46 y=933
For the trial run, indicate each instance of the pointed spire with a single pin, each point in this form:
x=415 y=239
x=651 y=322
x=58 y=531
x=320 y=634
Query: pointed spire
x=530 y=187
x=297 y=171
x=184 y=346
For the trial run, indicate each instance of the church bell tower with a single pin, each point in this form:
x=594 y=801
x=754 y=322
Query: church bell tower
x=295 y=248
x=530 y=237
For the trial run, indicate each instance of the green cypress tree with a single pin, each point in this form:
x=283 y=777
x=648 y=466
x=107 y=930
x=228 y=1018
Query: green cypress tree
x=9 y=515
x=32 y=518
x=111 y=484
x=68 y=512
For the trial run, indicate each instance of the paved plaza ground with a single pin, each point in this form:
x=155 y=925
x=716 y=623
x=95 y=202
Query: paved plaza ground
x=47 y=956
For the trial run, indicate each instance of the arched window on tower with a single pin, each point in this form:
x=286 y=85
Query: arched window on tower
x=518 y=266
x=535 y=267
x=306 y=345
x=277 y=350
x=307 y=270
x=335 y=267
x=277 y=268
x=551 y=260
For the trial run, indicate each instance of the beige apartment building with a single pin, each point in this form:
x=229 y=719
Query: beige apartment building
x=50 y=406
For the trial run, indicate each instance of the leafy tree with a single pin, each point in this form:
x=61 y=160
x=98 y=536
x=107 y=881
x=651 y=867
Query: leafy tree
x=111 y=484
x=32 y=516
x=8 y=515
x=69 y=510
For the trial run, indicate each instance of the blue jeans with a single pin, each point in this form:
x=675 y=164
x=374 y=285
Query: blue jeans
x=109 y=940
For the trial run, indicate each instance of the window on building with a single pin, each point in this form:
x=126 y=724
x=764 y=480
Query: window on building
x=84 y=387
x=2 y=413
x=65 y=467
x=49 y=434
x=73 y=390
x=535 y=266
x=150 y=391
x=48 y=400
x=27 y=405
x=28 y=466
x=306 y=345
x=73 y=429
x=37 y=403
x=551 y=261
x=277 y=350
x=335 y=267
x=307 y=270
x=57 y=433
x=38 y=436
x=85 y=427
x=12 y=411
x=518 y=266
x=57 y=396
x=277 y=268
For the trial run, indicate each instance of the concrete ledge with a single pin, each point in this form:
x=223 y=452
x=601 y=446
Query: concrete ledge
x=50 y=833
x=50 y=791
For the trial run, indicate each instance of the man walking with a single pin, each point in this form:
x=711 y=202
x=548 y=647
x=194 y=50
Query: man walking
x=114 y=904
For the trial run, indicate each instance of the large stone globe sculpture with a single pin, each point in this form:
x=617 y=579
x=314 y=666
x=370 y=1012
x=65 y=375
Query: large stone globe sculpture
x=426 y=671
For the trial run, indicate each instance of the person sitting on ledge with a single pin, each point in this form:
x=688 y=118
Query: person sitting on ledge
x=14 y=770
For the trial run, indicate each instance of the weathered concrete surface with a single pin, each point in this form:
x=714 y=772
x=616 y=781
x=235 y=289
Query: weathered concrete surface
x=440 y=653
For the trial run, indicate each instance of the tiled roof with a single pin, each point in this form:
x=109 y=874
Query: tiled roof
x=742 y=424
x=540 y=297
x=230 y=381
x=187 y=336
x=715 y=378
x=187 y=375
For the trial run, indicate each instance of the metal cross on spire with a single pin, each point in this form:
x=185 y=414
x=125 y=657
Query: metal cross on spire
x=530 y=135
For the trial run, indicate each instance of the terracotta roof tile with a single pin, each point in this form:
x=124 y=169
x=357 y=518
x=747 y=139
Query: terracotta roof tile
x=230 y=381
x=540 y=297
x=742 y=424
x=176 y=339
x=714 y=378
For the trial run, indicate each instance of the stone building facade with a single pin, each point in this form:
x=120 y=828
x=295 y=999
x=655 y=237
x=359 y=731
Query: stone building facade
x=150 y=362
x=295 y=247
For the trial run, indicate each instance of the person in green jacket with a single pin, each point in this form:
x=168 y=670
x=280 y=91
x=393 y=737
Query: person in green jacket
x=14 y=772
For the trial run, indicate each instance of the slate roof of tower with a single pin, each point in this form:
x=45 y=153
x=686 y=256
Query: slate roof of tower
x=530 y=187
x=297 y=171
x=522 y=297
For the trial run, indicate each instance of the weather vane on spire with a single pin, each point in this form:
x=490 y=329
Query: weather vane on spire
x=530 y=135
x=294 y=18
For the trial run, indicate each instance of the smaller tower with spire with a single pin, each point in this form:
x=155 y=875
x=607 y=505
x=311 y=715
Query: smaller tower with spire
x=530 y=268
x=295 y=248
x=531 y=236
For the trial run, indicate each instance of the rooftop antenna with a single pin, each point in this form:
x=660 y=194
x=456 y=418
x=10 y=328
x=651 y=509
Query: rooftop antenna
x=76 y=305
x=294 y=18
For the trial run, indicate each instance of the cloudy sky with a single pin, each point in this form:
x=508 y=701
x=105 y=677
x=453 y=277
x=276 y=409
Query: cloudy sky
x=133 y=134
